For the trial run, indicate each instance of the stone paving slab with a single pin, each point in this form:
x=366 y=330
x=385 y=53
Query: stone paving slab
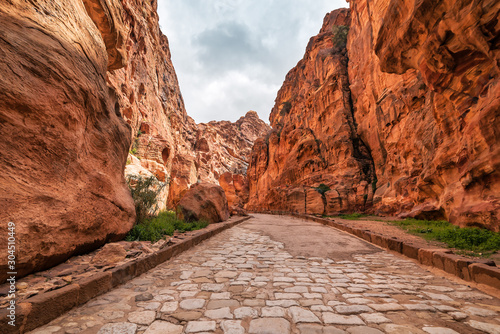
x=242 y=281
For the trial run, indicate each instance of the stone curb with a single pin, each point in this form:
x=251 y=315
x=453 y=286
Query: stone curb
x=443 y=259
x=41 y=309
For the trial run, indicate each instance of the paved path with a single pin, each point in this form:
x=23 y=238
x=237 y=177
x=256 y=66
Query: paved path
x=301 y=277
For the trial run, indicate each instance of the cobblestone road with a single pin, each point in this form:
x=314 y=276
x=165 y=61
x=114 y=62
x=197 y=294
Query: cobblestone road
x=243 y=281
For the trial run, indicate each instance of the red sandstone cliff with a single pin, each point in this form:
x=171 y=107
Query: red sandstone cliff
x=63 y=145
x=426 y=91
x=314 y=139
x=411 y=127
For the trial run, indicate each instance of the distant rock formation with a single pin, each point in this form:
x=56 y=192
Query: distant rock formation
x=64 y=144
x=410 y=129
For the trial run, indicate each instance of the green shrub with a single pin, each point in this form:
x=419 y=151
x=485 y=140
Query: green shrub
x=166 y=223
x=322 y=188
x=340 y=36
x=478 y=240
x=352 y=216
x=145 y=192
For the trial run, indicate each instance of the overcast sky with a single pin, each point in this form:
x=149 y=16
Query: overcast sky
x=232 y=56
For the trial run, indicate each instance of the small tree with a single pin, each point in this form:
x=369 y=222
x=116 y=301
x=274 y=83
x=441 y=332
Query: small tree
x=322 y=189
x=145 y=192
x=340 y=36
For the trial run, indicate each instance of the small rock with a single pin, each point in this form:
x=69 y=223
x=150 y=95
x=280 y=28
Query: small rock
x=481 y=312
x=271 y=312
x=118 y=328
x=67 y=279
x=232 y=327
x=187 y=315
x=192 y=304
x=352 y=309
x=22 y=285
x=439 y=330
x=109 y=254
x=269 y=325
x=485 y=327
x=363 y=330
x=337 y=319
x=419 y=307
x=221 y=313
x=169 y=307
x=374 y=318
x=200 y=326
x=245 y=312
x=163 y=327
x=143 y=297
x=458 y=316
x=302 y=315
x=142 y=317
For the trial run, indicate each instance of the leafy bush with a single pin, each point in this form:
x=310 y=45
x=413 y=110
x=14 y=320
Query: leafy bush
x=477 y=240
x=166 y=223
x=145 y=192
x=322 y=189
x=352 y=216
x=340 y=36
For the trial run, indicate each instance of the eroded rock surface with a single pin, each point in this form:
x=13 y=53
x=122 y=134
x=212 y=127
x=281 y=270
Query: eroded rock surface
x=426 y=95
x=410 y=129
x=168 y=142
x=63 y=145
x=314 y=139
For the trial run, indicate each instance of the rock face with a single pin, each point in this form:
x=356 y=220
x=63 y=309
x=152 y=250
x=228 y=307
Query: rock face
x=223 y=152
x=220 y=150
x=168 y=142
x=418 y=134
x=64 y=144
x=204 y=201
x=426 y=94
x=314 y=139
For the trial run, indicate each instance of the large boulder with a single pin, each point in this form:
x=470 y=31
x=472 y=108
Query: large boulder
x=204 y=201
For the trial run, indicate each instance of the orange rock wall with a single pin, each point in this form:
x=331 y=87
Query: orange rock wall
x=63 y=145
x=314 y=139
x=409 y=129
x=426 y=94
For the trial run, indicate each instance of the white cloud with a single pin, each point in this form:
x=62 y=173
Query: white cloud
x=232 y=56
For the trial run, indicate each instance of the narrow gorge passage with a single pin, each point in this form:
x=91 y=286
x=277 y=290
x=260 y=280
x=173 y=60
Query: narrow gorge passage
x=265 y=276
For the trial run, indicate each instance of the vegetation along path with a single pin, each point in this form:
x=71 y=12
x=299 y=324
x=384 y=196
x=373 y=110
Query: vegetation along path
x=268 y=276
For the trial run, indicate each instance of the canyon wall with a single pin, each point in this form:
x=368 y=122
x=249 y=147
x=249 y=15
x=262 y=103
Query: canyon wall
x=166 y=141
x=426 y=93
x=314 y=140
x=84 y=83
x=420 y=119
x=64 y=144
